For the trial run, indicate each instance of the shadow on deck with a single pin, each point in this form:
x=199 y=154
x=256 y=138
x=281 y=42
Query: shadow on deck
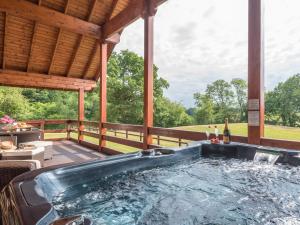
x=69 y=152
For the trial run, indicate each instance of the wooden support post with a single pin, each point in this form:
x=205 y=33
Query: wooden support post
x=255 y=73
x=80 y=114
x=148 y=72
x=42 y=127
x=179 y=142
x=103 y=100
x=68 y=125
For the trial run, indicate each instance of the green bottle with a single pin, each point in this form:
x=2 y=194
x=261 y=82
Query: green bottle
x=226 y=133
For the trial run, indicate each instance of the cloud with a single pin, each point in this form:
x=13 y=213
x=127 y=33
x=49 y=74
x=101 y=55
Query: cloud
x=208 y=12
x=205 y=40
x=184 y=34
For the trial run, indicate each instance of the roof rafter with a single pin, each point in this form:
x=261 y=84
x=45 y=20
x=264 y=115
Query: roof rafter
x=44 y=15
x=112 y=9
x=90 y=61
x=81 y=39
x=4 y=40
x=57 y=40
x=33 y=40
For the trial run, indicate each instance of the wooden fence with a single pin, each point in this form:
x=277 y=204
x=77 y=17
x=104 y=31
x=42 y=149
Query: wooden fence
x=132 y=135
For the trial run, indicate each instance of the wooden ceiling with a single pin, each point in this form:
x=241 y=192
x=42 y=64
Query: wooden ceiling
x=41 y=40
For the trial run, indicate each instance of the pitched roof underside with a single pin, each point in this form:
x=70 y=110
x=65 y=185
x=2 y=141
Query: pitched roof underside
x=59 y=37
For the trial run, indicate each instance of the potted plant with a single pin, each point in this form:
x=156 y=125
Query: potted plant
x=7 y=123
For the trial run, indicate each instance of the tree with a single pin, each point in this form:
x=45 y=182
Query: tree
x=170 y=114
x=205 y=109
x=13 y=103
x=126 y=87
x=284 y=101
x=240 y=88
x=222 y=97
x=50 y=104
x=221 y=93
x=222 y=100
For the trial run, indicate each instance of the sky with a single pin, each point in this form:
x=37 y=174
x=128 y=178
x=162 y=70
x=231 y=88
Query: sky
x=200 y=41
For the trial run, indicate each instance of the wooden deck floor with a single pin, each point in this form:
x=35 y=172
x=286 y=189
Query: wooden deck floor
x=68 y=152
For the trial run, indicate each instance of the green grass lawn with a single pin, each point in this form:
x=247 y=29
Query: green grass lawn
x=240 y=129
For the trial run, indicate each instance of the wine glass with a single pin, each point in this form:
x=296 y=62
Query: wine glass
x=207 y=135
x=216 y=132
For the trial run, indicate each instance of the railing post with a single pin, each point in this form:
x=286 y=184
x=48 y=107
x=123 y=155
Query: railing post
x=102 y=94
x=158 y=140
x=42 y=127
x=80 y=114
x=148 y=71
x=126 y=134
x=179 y=141
x=68 y=129
x=255 y=73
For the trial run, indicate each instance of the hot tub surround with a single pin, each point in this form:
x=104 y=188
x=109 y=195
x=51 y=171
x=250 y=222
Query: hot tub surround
x=33 y=193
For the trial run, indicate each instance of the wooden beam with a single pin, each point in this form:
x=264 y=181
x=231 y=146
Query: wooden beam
x=80 y=114
x=124 y=18
x=57 y=40
x=255 y=73
x=44 y=15
x=80 y=40
x=31 y=46
x=122 y=141
x=90 y=61
x=134 y=11
x=33 y=40
x=128 y=127
x=35 y=80
x=102 y=94
x=280 y=143
x=148 y=77
x=113 y=39
x=112 y=9
x=4 y=40
x=110 y=46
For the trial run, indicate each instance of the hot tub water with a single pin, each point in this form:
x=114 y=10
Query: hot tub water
x=204 y=191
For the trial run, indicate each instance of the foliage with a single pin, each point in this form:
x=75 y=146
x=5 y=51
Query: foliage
x=51 y=104
x=126 y=87
x=205 y=111
x=222 y=100
x=240 y=89
x=125 y=95
x=125 y=98
x=13 y=103
x=283 y=103
x=170 y=114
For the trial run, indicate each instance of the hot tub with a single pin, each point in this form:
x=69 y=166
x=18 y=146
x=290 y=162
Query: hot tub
x=199 y=184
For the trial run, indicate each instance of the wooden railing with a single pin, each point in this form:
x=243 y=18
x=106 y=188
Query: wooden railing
x=132 y=135
x=45 y=127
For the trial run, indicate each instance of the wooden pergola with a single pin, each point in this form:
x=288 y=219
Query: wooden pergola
x=66 y=44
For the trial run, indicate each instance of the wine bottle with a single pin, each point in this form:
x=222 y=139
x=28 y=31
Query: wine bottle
x=226 y=133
